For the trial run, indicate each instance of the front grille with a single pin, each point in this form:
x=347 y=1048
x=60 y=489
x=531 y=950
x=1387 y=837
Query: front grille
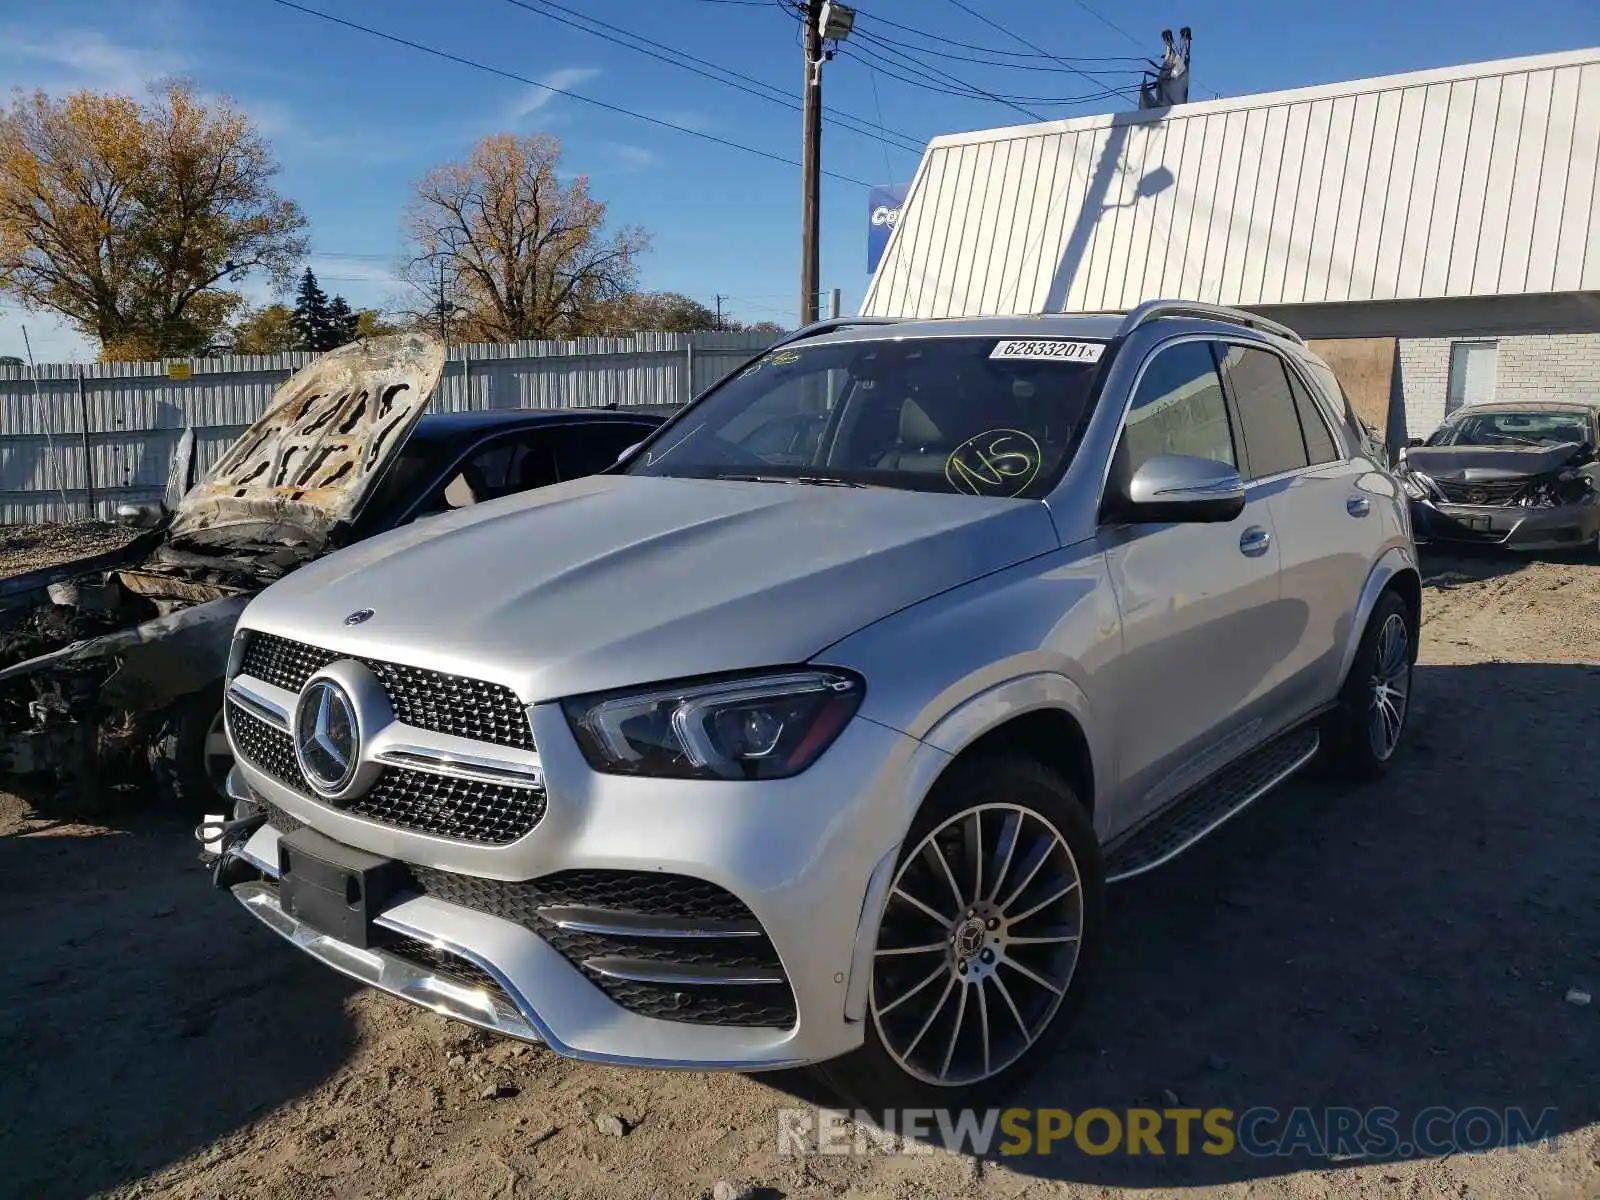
x=421 y=801
x=469 y=708
x=642 y=894
x=1482 y=493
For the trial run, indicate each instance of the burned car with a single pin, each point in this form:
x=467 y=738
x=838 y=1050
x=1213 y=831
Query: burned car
x=1523 y=476
x=111 y=667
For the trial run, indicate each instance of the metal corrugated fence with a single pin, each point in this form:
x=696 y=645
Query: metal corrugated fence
x=78 y=440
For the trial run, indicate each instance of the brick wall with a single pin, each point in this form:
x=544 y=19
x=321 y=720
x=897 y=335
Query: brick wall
x=1558 y=366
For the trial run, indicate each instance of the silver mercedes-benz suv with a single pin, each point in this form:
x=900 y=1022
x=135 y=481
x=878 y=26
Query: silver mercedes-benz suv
x=812 y=732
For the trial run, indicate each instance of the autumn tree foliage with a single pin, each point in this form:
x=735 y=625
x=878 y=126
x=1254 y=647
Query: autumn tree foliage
x=131 y=219
x=504 y=250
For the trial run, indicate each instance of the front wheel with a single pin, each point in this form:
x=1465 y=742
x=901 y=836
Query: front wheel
x=1363 y=733
x=191 y=758
x=985 y=942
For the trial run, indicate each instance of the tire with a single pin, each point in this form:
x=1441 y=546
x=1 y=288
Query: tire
x=1009 y=799
x=189 y=764
x=1353 y=747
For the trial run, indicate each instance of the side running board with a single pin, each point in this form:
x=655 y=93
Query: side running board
x=1191 y=817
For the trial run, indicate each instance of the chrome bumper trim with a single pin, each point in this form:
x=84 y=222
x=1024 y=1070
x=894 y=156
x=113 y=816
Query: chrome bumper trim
x=576 y=919
x=643 y=970
x=395 y=975
x=418 y=986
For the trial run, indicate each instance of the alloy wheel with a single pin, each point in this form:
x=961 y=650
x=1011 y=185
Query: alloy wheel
x=1390 y=690
x=980 y=938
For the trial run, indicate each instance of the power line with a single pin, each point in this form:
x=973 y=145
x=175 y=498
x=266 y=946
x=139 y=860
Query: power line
x=1108 y=22
x=934 y=76
x=1017 y=37
x=579 y=96
x=688 y=62
x=943 y=41
x=888 y=167
x=912 y=47
x=927 y=66
x=931 y=83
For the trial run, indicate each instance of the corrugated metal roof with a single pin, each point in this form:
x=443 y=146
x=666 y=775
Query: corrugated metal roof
x=1467 y=181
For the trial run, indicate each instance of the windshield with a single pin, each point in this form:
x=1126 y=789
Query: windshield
x=981 y=415
x=1514 y=429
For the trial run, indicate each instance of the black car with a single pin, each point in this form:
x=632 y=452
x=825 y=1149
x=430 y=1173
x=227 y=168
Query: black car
x=111 y=667
x=1519 y=475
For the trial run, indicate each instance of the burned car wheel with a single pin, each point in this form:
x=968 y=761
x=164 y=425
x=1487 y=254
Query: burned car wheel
x=191 y=758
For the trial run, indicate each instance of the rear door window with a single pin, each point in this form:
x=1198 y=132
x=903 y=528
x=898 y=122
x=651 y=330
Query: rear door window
x=1268 y=421
x=587 y=449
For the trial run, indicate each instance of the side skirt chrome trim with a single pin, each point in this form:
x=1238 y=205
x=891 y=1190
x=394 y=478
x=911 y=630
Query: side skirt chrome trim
x=1222 y=817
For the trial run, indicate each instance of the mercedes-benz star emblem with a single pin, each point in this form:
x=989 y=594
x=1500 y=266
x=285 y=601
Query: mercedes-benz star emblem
x=327 y=741
x=360 y=615
x=1477 y=496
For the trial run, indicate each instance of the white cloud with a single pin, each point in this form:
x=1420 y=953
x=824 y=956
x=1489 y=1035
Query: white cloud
x=634 y=157
x=536 y=98
x=83 y=58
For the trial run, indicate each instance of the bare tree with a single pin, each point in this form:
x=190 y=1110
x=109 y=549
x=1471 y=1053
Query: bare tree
x=504 y=250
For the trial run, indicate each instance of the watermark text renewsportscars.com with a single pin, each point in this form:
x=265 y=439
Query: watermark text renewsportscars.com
x=1166 y=1132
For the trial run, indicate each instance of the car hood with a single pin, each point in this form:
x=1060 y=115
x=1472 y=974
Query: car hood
x=328 y=435
x=1488 y=464
x=616 y=580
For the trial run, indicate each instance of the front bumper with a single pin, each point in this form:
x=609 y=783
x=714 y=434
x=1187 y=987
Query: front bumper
x=1511 y=526
x=808 y=857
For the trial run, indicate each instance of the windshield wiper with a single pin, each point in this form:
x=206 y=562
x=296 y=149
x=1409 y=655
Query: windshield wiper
x=811 y=480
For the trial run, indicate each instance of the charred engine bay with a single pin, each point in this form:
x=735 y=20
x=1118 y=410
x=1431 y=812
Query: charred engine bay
x=90 y=658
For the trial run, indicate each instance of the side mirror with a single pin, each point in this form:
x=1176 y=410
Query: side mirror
x=1413 y=441
x=1182 y=488
x=140 y=516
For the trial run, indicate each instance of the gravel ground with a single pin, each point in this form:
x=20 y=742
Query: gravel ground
x=1410 y=943
x=29 y=547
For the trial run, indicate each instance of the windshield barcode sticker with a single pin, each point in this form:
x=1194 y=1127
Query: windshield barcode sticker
x=1036 y=350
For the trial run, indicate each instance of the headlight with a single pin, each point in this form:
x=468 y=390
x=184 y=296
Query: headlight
x=750 y=727
x=1415 y=486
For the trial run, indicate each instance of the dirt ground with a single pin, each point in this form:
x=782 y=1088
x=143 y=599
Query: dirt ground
x=1411 y=943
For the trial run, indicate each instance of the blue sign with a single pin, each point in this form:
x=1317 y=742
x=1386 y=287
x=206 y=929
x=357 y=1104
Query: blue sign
x=883 y=206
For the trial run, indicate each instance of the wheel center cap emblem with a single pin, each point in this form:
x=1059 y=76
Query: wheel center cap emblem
x=969 y=937
x=327 y=740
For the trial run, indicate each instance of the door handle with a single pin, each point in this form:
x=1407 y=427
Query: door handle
x=1254 y=541
x=1358 y=506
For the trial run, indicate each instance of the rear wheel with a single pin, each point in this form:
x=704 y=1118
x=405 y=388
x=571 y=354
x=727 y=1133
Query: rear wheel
x=190 y=757
x=1364 y=732
x=985 y=943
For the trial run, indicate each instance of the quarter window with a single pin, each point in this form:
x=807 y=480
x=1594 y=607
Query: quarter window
x=1178 y=409
x=1319 y=442
x=1273 y=442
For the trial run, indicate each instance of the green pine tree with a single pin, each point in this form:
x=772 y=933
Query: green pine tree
x=342 y=323
x=312 y=324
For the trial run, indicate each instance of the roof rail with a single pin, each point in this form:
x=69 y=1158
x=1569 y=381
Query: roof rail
x=828 y=325
x=1150 y=310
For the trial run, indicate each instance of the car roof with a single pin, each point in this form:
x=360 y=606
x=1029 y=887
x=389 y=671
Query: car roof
x=1099 y=326
x=449 y=426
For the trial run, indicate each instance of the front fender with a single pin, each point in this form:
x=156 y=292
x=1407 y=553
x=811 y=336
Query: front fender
x=1395 y=561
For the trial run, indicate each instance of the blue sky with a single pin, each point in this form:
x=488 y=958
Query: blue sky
x=355 y=120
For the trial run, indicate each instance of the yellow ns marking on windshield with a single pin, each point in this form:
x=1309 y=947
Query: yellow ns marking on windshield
x=999 y=462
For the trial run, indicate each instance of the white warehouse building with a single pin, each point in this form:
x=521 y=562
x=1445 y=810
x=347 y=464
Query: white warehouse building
x=1435 y=234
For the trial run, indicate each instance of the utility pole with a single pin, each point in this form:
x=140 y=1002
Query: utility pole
x=444 y=310
x=811 y=164
x=720 y=299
